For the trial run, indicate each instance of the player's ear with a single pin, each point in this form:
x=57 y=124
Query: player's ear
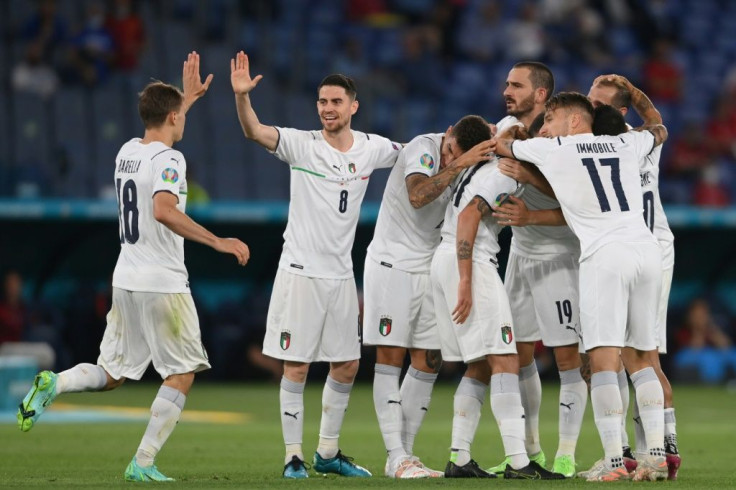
x=354 y=107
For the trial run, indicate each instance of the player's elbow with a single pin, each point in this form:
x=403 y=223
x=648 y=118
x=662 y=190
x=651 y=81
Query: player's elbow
x=415 y=200
x=162 y=213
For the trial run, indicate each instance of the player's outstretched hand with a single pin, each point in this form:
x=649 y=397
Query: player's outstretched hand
x=234 y=246
x=513 y=212
x=192 y=81
x=464 y=302
x=240 y=74
x=476 y=154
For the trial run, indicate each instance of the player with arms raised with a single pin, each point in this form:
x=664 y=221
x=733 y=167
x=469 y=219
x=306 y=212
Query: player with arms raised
x=152 y=318
x=313 y=314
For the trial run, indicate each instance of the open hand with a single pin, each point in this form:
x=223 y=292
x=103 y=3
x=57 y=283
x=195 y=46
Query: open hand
x=240 y=74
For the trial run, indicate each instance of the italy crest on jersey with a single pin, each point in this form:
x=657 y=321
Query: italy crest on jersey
x=170 y=175
x=351 y=167
x=285 y=339
x=506 y=334
x=426 y=161
x=384 y=326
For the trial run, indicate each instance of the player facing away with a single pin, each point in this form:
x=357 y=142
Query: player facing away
x=475 y=326
x=313 y=314
x=620 y=266
x=542 y=285
x=152 y=318
x=620 y=93
x=397 y=299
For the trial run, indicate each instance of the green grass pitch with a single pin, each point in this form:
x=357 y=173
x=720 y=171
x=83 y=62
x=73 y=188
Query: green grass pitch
x=249 y=454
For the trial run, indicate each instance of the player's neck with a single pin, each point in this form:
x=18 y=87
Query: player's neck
x=341 y=140
x=153 y=135
x=528 y=118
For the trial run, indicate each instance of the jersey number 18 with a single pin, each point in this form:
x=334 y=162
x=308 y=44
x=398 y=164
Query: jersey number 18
x=128 y=211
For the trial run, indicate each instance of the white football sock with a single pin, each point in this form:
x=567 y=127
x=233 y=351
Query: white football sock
x=387 y=401
x=530 y=388
x=165 y=412
x=573 y=399
x=509 y=414
x=650 y=398
x=670 y=428
x=82 y=377
x=291 y=404
x=623 y=386
x=639 y=437
x=606 y=400
x=467 y=403
x=335 y=397
x=416 y=393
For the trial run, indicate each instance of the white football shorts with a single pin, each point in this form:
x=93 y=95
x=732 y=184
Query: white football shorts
x=488 y=328
x=312 y=319
x=544 y=299
x=144 y=327
x=398 y=308
x=619 y=295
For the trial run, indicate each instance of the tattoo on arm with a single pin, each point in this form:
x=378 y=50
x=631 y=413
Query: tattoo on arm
x=464 y=250
x=423 y=189
x=434 y=360
x=644 y=107
x=482 y=206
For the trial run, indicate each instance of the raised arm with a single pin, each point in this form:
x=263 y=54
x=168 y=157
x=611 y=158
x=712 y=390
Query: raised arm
x=266 y=136
x=652 y=119
x=166 y=213
x=192 y=82
x=423 y=189
x=467 y=229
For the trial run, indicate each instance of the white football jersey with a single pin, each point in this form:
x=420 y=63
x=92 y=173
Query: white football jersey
x=405 y=237
x=486 y=181
x=327 y=189
x=596 y=180
x=151 y=256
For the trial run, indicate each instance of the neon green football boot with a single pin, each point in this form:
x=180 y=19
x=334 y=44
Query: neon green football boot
x=38 y=399
x=139 y=473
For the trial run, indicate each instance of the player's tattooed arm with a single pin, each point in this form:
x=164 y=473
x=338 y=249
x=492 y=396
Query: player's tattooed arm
x=658 y=130
x=467 y=229
x=423 y=189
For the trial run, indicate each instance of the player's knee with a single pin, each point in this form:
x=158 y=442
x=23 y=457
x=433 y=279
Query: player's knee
x=391 y=356
x=567 y=358
x=296 y=371
x=113 y=383
x=344 y=372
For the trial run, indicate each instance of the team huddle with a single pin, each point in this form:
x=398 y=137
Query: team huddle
x=586 y=275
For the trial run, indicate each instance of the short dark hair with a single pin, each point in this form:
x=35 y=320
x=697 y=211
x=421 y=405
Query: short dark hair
x=569 y=100
x=622 y=96
x=339 y=80
x=156 y=101
x=540 y=75
x=536 y=125
x=607 y=120
x=469 y=131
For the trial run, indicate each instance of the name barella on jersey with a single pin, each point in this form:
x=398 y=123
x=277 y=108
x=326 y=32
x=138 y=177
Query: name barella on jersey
x=327 y=189
x=596 y=180
x=483 y=180
x=405 y=237
x=151 y=256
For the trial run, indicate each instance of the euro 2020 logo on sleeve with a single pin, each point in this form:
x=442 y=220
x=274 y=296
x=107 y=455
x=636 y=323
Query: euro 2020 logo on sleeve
x=170 y=175
x=427 y=161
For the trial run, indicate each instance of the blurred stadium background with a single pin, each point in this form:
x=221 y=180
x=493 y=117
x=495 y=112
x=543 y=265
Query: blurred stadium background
x=71 y=69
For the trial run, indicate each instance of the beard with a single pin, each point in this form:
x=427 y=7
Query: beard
x=336 y=126
x=523 y=107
